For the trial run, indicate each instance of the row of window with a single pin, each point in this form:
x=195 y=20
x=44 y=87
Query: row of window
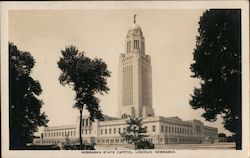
x=182 y=140
x=177 y=130
x=86 y=131
x=110 y=141
x=86 y=122
x=109 y=131
x=115 y=130
x=120 y=130
x=59 y=134
x=136 y=45
x=168 y=129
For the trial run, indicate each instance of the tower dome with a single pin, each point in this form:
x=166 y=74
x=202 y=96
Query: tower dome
x=135 y=39
x=135 y=26
x=134 y=30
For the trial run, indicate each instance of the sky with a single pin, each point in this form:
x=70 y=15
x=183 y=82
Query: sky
x=169 y=40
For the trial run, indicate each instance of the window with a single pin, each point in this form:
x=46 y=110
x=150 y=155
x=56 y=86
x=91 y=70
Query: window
x=153 y=128
x=166 y=129
x=87 y=122
x=114 y=130
x=119 y=130
x=128 y=46
x=101 y=131
x=136 y=44
x=110 y=131
x=86 y=131
x=74 y=133
x=161 y=128
x=106 y=131
x=142 y=46
x=71 y=133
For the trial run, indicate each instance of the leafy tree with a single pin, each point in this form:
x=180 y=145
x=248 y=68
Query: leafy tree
x=135 y=133
x=222 y=135
x=24 y=106
x=218 y=64
x=87 y=77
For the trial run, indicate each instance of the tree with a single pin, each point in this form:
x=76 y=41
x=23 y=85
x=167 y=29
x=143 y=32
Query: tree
x=222 y=135
x=218 y=64
x=135 y=133
x=87 y=77
x=24 y=106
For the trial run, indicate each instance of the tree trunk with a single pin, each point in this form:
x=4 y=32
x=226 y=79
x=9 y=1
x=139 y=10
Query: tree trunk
x=80 y=129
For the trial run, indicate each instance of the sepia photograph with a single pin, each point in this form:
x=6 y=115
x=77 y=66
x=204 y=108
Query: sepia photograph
x=125 y=79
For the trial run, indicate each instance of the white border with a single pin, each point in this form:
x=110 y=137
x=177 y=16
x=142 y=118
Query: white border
x=6 y=6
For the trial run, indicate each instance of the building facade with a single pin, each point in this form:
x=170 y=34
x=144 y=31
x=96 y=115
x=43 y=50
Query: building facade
x=134 y=100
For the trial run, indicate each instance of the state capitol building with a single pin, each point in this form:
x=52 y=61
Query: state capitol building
x=134 y=100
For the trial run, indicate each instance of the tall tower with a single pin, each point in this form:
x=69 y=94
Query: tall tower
x=135 y=77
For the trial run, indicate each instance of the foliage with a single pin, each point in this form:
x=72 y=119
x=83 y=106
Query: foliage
x=24 y=106
x=67 y=141
x=222 y=135
x=79 y=147
x=218 y=64
x=135 y=133
x=87 y=77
